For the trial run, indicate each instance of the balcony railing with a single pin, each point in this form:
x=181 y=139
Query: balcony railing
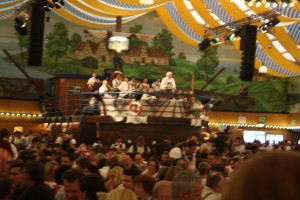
x=120 y=105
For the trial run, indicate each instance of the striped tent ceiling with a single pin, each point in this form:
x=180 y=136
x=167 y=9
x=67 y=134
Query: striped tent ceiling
x=188 y=20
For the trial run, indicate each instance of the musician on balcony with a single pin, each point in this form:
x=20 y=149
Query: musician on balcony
x=93 y=83
x=168 y=83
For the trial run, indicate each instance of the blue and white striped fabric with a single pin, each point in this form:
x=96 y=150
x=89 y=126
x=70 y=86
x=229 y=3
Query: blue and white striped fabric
x=122 y=5
x=180 y=23
x=262 y=56
x=16 y=7
x=92 y=18
x=288 y=11
x=294 y=31
x=218 y=10
x=7 y=14
x=7 y=1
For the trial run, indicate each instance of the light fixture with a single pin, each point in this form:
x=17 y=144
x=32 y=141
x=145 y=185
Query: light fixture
x=147 y=2
x=262 y=69
x=21 y=26
x=58 y=3
x=47 y=6
x=258 y=3
x=268 y=24
x=269 y=3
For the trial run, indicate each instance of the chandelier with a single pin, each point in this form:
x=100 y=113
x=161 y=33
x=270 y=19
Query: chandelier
x=269 y=3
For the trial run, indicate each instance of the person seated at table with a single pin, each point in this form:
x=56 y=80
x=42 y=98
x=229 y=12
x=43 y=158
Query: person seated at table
x=133 y=84
x=168 y=83
x=156 y=85
x=124 y=87
x=104 y=89
x=93 y=83
x=144 y=86
x=116 y=82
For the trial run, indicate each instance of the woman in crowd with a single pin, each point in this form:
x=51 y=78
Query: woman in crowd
x=143 y=185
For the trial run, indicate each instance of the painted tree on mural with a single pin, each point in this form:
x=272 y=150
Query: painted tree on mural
x=164 y=41
x=75 y=39
x=58 y=42
x=134 y=41
x=208 y=61
x=23 y=42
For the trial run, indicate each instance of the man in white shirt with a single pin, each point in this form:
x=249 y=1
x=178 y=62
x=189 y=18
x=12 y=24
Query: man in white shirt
x=168 y=83
x=91 y=82
x=124 y=87
x=103 y=89
x=187 y=152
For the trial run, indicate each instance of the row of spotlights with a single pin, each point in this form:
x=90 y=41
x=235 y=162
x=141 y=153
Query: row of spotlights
x=267 y=3
x=20 y=114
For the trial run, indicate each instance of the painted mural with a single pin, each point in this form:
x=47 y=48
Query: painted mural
x=68 y=50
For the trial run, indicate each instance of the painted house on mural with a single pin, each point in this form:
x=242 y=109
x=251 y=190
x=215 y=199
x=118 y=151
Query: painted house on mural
x=141 y=54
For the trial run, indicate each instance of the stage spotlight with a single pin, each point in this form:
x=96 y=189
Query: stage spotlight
x=274 y=22
x=21 y=26
x=268 y=25
x=58 y=3
x=48 y=7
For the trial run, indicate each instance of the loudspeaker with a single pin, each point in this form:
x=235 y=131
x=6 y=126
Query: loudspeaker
x=248 y=46
x=247 y=67
x=36 y=37
x=248 y=38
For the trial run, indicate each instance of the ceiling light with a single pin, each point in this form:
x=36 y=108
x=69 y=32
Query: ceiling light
x=48 y=7
x=146 y=2
x=263 y=69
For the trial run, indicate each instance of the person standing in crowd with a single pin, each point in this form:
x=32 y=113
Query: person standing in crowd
x=128 y=177
x=71 y=187
x=187 y=186
x=165 y=145
x=187 y=152
x=33 y=179
x=214 y=186
x=162 y=190
x=16 y=177
x=140 y=162
x=93 y=82
x=238 y=145
x=8 y=151
x=139 y=146
x=6 y=186
x=143 y=185
x=168 y=83
x=119 y=144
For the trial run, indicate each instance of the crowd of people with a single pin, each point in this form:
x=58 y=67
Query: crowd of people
x=42 y=167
